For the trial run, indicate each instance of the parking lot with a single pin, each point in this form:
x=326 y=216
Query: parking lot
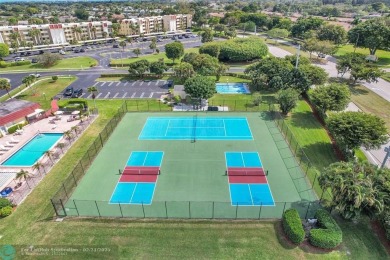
x=127 y=89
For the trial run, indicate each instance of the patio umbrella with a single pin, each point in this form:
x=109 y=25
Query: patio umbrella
x=75 y=112
x=58 y=112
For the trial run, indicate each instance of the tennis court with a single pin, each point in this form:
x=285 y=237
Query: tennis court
x=196 y=128
x=150 y=167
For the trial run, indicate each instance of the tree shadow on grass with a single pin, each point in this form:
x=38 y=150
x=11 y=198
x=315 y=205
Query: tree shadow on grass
x=304 y=120
x=324 y=152
x=356 y=90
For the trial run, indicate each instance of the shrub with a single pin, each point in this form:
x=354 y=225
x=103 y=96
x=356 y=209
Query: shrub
x=6 y=211
x=13 y=128
x=329 y=235
x=292 y=226
x=240 y=49
x=4 y=203
x=54 y=78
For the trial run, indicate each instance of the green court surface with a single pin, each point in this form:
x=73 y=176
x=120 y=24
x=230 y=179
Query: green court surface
x=192 y=183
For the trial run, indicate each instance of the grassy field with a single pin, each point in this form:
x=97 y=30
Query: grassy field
x=370 y=102
x=386 y=76
x=83 y=62
x=43 y=91
x=168 y=239
x=151 y=58
x=383 y=56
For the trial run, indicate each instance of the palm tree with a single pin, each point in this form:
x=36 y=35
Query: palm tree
x=93 y=90
x=38 y=166
x=30 y=45
x=15 y=45
x=15 y=36
x=5 y=85
x=130 y=40
x=22 y=174
x=50 y=154
x=137 y=51
x=104 y=35
x=123 y=45
x=34 y=34
x=76 y=33
x=75 y=129
x=93 y=29
x=68 y=135
x=23 y=44
x=61 y=146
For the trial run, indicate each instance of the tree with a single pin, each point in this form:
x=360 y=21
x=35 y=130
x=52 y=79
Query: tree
x=352 y=187
x=304 y=25
x=330 y=32
x=139 y=68
x=137 y=51
x=183 y=71
x=315 y=74
x=5 y=85
x=75 y=129
x=373 y=34
x=367 y=73
x=247 y=26
x=349 y=60
x=50 y=154
x=200 y=87
x=12 y=21
x=38 y=166
x=220 y=28
x=211 y=49
x=287 y=99
x=54 y=78
x=81 y=14
x=28 y=80
x=355 y=129
x=298 y=80
x=333 y=97
x=278 y=33
x=123 y=45
x=174 y=50
x=68 y=135
x=204 y=64
x=93 y=90
x=25 y=175
x=153 y=45
x=313 y=45
x=61 y=146
x=4 y=50
x=220 y=70
x=49 y=59
x=158 y=67
x=207 y=36
x=231 y=33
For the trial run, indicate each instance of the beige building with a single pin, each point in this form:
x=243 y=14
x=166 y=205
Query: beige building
x=155 y=24
x=57 y=34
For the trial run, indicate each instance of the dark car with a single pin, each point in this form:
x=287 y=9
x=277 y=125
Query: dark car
x=187 y=36
x=188 y=30
x=82 y=50
x=41 y=52
x=144 y=39
x=34 y=60
x=77 y=93
x=68 y=92
x=6 y=192
x=76 y=51
x=115 y=46
x=180 y=37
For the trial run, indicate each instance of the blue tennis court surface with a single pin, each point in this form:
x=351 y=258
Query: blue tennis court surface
x=243 y=159
x=200 y=128
x=251 y=195
x=145 y=159
x=133 y=193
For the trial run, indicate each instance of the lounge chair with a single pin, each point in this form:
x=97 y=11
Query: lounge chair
x=8 y=144
x=3 y=148
x=13 y=140
x=19 y=132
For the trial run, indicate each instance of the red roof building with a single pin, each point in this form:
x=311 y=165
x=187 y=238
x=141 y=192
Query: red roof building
x=14 y=111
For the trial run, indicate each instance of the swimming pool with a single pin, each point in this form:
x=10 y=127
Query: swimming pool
x=34 y=149
x=232 y=88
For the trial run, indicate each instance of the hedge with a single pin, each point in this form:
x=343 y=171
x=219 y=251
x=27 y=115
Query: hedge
x=4 y=64
x=6 y=211
x=292 y=226
x=240 y=49
x=146 y=75
x=329 y=235
x=4 y=203
x=13 y=128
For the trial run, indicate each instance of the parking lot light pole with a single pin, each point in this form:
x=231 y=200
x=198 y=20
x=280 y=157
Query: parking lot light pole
x=387 y=150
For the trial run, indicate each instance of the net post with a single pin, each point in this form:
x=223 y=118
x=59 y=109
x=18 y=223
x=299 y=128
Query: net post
x=77 y=210
x=143 y=209
x=97 y=208
x=236 y=209
x=54 y=206
x=120 y=208
x=119 y=171
x=189 y=209
x=261 y=207
x=166 y=209
x=307 y=210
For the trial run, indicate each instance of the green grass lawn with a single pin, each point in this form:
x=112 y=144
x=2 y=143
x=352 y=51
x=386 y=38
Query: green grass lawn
x=386 y=76
x=162 y=239
x=151 y=58
x=383 y=56
x=83 y=62
x=43 y=91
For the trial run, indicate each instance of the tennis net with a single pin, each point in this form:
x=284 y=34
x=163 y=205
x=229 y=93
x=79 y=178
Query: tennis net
x=246 y=172
x=135 y=171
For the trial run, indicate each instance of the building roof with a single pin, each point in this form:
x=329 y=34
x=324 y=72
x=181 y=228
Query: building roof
x=14 y=109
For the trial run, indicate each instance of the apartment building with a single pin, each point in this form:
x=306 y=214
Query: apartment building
x=155 y=24
x=46 y=34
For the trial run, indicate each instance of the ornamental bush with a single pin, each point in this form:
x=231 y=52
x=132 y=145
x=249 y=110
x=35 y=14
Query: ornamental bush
x=292 y=226
x=6 y=211
x=329 y=235
x=4 y=203
x=240 y=49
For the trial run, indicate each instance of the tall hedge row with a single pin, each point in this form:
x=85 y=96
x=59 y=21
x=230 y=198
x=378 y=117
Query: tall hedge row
x=292 y=226
x=240 y=49
x=329 y=235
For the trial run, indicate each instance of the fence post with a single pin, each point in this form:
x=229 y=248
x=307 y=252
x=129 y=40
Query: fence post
x=136 y=102
x=284 y=207
x=236 y=209
x=143 y=210
x=89 y=157
x=63 y=186
x=261 y=206
x=307 y=210
x=97 y=208
x=314 y=180
x=54 y=206
x=189 y=209
x=120 y=208
x=77 y=210
x=101 y=140
x=82 y=168
x=126 y=106
x=166 y=209
x=212 y=216
x=63 y=208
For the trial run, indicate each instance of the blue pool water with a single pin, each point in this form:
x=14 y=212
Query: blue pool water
x=232 y=88
x=33 y=150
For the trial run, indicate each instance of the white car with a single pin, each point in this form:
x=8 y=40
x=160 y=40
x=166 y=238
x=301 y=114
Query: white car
x=62 y=52
x=19 y=59
x=36 y=75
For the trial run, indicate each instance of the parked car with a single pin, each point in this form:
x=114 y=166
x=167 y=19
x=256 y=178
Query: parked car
x=62 y=52
x=321 y=55
x=186 y=36
x=34 y=60
x=68 y=92
x=28 y=53
x=115 y=46
x=76 y=51
x=77 y=93
x=19 y=59
x=188 y=30
x=36 y=75
x=41 y=52
x=82 y=50
x=6 y=192
x=180 y=37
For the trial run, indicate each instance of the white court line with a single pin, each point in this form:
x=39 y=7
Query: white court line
x=133 y=192
x=242 y=157
x=108 y=94
x=142 y=95
x=132 y=96
x=151 y=95
x=250 y=192
x=124 y=95
x=112 y=194
x=166 y=131
x=115 y=95
x=224 y=127
x=143 y=164
x=99 y=95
